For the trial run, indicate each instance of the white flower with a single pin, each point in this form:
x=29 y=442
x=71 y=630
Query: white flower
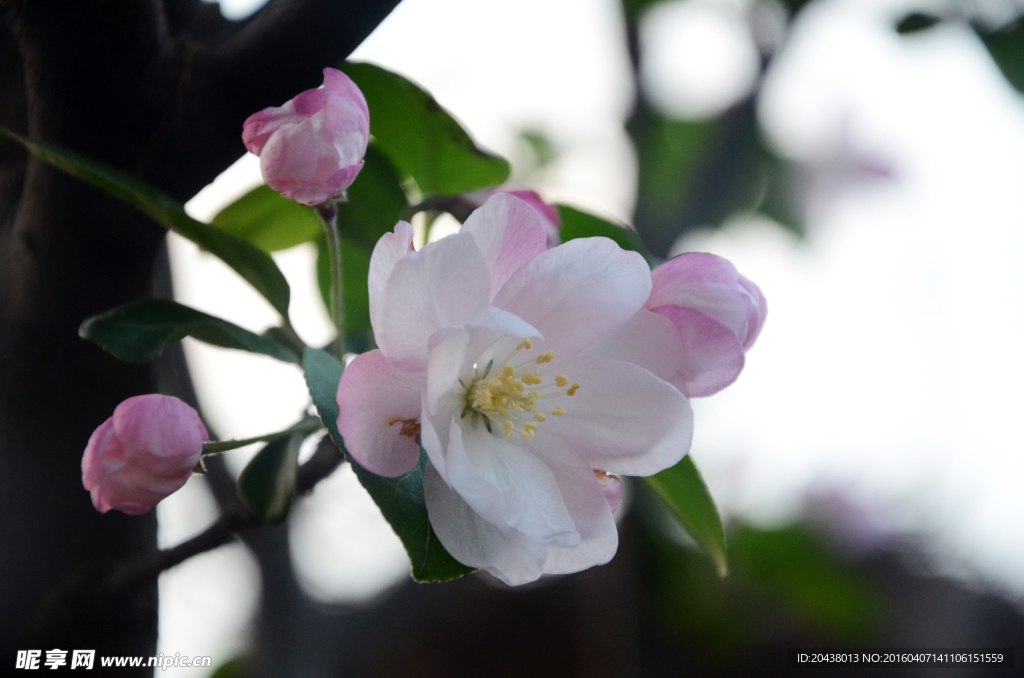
x=527 y=373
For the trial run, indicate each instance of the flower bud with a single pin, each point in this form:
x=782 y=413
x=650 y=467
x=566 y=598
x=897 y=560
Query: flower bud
x=312 y=147
x=717 y=312
x=143 y=453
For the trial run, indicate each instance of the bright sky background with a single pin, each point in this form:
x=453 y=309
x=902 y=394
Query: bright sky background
x=887 y=371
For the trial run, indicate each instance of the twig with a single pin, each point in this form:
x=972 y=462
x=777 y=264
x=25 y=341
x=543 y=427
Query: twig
x=236 y=517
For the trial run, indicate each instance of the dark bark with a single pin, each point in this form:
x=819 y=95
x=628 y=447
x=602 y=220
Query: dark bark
x=160 y=90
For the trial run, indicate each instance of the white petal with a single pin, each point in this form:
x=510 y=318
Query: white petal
x=507 y=485
x=509 y=232
x=577 y=292
x=623 y=419
x=447 y=283
x=471 y=540
x=586 y=502
x=648 y=340
x=388 y=251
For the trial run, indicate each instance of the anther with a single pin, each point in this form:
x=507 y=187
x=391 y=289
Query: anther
x=541 y=417
x=525 y=343
x=545 y=357
x=558 y=411
x=561 y=380
x=572 y=391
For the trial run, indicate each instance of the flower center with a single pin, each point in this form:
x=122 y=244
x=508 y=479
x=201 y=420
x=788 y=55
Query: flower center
x=510 y=397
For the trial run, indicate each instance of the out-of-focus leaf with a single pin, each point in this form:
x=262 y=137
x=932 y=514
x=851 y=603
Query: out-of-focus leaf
x=579 y=224
x=253 y=264
x=267 y=483
x=422 y=139
x=916 y=22
x=139 y=331
x=683 y=490
x=240 y=667
x=269 y=221
x=400 y=499
x=375 y=202
x=799 y=570
x=1007 y=49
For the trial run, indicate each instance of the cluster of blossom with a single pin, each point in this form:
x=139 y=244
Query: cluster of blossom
x=530 y=372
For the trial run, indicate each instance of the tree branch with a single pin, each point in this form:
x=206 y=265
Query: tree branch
x=142 y=570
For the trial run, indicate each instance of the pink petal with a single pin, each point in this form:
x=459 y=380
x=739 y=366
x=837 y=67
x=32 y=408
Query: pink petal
x=509 y=232
x=379 y=414
x=712 y=356
x=707 y=283
x=445 y=284
x=578 y=292
x=162 y=426
x=648 y=340
x=758 y=316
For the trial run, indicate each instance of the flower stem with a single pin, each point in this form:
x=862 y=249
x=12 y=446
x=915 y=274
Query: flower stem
x=328 y=213
x=307 y=425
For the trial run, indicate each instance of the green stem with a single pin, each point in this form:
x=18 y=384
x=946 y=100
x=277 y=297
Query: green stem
x=307 y=425
x=328 y=213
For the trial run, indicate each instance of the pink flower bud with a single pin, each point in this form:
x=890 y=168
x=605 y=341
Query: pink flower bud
x=142 y=454
x=717 y=312
x=312 y=148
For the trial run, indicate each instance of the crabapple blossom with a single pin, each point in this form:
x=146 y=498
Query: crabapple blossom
x=528 y=375
x=717 y=312
x=312 y=147
x=143 y=453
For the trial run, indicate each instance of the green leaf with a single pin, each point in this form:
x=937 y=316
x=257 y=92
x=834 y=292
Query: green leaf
x=267 y=484
x=400 y=499
x=138 y=332
x=376 y=201
x=254 y=265
x=683 y=490
x=422 y=139
x=578 y=224
x=1007 y=49
x=269 y=221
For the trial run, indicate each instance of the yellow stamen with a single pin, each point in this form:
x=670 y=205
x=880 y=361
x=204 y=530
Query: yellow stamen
x=572 y=391
x=558 y=411
x=561 y=380
x=541 y=417
x=525 y=343
x=545 y=357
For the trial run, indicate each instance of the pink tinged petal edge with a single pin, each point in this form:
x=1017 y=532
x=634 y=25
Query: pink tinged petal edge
x=445 y=284
x=388 y=251
x=509 y=232
x=378 y=414
x=758 y=317
x=578 y=292
x=623 y=419
x=612 y=488
x=712 y=356
x=507 y=485
x=648 y=340
x=707 y=283
x=508 y=555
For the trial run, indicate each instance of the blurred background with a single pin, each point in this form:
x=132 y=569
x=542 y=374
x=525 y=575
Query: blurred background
x=862 y=162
